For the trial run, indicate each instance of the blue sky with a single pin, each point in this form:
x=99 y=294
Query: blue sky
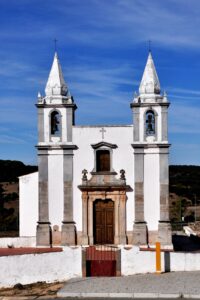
x=103 y=47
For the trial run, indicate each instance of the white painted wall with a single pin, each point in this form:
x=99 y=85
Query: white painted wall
x=141 y=262
x=18 y=242
x=134 y=261
x=48 y=267
x=60 y=266
x=151 y=188
x=28 y=204
x=84 y=137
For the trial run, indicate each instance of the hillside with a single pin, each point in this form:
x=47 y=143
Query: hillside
x=11 y=169
x=9 y=195
x=184 y=181
x=184 y=187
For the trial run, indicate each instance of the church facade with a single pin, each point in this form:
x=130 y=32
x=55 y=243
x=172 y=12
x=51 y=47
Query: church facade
x=99 y=184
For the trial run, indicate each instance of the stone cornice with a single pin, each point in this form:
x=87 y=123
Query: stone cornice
x=105 y=144
x=45 y=105
x=147 y=146
x=56 y=147
x=167 y=104
x=108 y=188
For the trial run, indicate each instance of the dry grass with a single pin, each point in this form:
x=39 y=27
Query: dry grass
x=35 y=289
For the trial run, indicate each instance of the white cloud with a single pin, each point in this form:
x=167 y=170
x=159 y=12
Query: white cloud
x=8 y=139
x=185 y=119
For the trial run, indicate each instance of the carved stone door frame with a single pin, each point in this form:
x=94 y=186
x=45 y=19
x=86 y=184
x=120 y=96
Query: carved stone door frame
x=119 y=199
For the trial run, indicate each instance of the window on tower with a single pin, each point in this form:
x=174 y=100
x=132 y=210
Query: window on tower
x=103 y=161
x=150 y=122
x=55 y=123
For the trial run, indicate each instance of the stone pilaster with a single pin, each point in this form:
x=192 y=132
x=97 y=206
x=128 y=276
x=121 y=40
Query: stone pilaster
x=43 y=235
x=164 y=118
x=90 y=221
x=85 y=238
x=68 y=234
x=136 y=121
x=139 y=227
x=122 y=220
x=164 y=226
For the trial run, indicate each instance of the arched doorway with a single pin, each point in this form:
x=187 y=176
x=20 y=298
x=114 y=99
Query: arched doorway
x=103 y=221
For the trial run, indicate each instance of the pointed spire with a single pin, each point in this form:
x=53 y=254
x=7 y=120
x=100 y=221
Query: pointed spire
x=150 y=83
x=56 y=84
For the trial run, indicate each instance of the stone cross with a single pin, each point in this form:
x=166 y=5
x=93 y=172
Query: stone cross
x=102 y=131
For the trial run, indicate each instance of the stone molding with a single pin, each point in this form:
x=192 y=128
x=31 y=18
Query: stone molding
x=66 y=105
x=56 y=147
x=147 y=104
x=104 y=144
x=146 y=146
x=119 y=199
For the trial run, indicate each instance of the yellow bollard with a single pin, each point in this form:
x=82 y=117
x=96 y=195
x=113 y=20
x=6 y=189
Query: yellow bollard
x=158 y=258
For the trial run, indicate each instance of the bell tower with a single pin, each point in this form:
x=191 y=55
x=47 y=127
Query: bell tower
x=55 y=158
x=151 y=150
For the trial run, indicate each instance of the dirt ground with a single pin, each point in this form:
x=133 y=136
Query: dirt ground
x=35 y=289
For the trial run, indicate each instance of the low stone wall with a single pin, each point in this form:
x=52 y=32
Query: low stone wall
x=61 y=266
x=141 y=262
x=134 y=261
x=184 y=261
x=47 y=267
x=18 y=242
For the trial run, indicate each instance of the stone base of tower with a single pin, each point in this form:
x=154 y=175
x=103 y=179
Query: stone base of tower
x=68 y=234
x=140 y=233
x=43 y=234
x=165 y=234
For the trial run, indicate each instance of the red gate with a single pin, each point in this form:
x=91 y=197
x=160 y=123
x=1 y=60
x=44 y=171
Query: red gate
x=101 y=260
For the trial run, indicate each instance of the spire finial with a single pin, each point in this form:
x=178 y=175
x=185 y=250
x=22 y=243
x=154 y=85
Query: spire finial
x=56 y=84
x=55 y=44
x=150 y=82
x=149 y=46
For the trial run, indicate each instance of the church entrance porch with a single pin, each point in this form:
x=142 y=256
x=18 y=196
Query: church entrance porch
x=104 y=209
x=103 y=214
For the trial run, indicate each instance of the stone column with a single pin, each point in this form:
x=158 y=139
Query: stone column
x=164 y=226
x=84 y=218
x=116 y=203
x=68 y=235
x=139 y=227
x=43 y=234
x=122 y=220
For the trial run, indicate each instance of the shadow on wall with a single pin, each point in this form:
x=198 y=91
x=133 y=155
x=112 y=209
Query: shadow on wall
x=182 y=243
x=186 y=243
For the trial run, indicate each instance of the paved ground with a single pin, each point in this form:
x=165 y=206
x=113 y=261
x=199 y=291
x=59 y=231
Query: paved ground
x=175 y=284
x=149 y=286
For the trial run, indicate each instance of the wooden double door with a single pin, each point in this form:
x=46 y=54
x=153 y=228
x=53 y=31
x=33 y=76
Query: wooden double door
x=103 y=213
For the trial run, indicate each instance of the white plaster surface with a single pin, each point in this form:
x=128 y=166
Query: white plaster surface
x=18 y=242
x=151 y=190
x=141 y=262
x=134 y=261
x=55 y=173
x=49 y=267
x=60 y=266
x=84 y=137
x=28 y=204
